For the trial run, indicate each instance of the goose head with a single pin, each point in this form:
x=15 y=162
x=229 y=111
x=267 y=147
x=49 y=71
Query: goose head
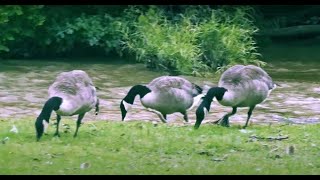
x=41 y=127
x=42 y=121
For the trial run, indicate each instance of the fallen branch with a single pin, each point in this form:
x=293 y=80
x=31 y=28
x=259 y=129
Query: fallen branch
x=292 y=31
x=214 y=122
x=279 y=138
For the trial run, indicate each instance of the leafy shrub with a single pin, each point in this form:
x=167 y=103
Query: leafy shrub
x=197 y=41
x=226 y=38
x=64 y=29
x=157 y=41
x=18 y=22
x=94 y=30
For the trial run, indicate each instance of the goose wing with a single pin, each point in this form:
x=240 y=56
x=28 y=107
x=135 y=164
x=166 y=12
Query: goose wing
x=261 y=75
x=167 y=83
x=71 y=83
x=239 y=74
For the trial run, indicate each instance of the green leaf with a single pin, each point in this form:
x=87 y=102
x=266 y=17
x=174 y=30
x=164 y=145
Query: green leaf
x=10 y=37
x=69 y=31
x=4 y=48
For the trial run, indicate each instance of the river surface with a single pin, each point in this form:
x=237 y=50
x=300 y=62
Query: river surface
x=24 y=85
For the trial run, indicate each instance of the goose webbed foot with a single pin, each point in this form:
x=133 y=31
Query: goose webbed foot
x=216 y=122
x=224 y=122
x=244 y=127
x=225 y=119
x=56 y=134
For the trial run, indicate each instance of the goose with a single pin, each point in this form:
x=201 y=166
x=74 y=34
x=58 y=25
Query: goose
x=164 y=95
x=239 y=86
x=72 y=93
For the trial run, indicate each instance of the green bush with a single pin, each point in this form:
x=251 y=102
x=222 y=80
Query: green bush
x=156 y=40
x=197 y=41
x=226 y=38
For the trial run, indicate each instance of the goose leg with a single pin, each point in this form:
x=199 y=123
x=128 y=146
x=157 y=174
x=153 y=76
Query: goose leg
x=97 y=107
x=249 y=115
x=163 y=117
x=58 y=122
x=185 y=116
x=225 y=119
x=80 y=117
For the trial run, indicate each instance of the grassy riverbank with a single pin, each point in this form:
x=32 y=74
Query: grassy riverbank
x=109 y=147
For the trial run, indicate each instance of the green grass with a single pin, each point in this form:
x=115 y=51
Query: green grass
x=141 y=148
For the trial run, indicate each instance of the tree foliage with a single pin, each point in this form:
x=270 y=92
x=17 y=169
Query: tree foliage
x=181 y=39
x=18 y=22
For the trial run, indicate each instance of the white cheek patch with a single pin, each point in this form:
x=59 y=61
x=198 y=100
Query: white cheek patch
x=45 y=125
x=205 y=112
x=127 y=106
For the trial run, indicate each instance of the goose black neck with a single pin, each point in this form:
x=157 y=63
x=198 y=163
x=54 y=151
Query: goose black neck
x=52 y=104
x=217 y=92
x=135 y=90
x=200 y=112
x=206 y=103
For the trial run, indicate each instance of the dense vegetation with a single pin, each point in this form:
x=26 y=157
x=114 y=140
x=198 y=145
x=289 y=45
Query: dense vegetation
x=181 y=39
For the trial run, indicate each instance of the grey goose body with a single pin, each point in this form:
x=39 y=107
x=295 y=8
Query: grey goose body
x=239 y=86
x=163 y=95
x=72 y=93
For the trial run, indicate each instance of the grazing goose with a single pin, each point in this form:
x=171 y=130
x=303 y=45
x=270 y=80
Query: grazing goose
x=72 y=93
x=239 y=86
x=164 y=95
